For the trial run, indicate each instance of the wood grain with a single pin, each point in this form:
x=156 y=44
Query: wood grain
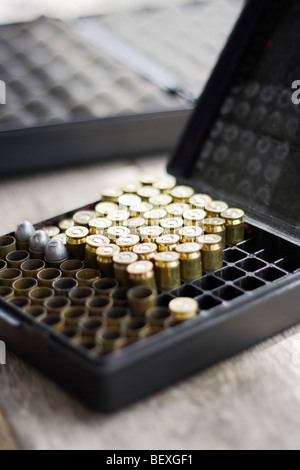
x=249 y=402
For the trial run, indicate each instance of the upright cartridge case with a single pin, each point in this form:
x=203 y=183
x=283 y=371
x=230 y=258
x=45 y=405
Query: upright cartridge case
x=117 y=316
x=141 y=299
x=148 y=179
x=171 y=225
x=51 y=230
x=64 y=285
x=71 y=267
x=76 y=240
x=160 y=201
x=110 y=194
x=128 y=200
x=119 y=297
x=157 y=316
x=190 y=261
x=131 y=187
x=200 y=201
x=81 y=295
x=215 y=208
x=150 y=234
x=32 y=268
x=235 y=225
x=105 y=256
x=194 y=217
x=36 y=311
x=128 y=243
x=141 y=273
x=22 y=302
x=99 y=226
x=177 y=210
x=212 y=252
x=145 y=251
x=98 y=305
x=65 y=224
x=167 y=242
x=140 y=209
x=24 y=286
x=82 y=218
x=73 y=315
x=39 y=295
x=90 y=326
x=46 y=277
x=184 y=308
x=182 y=194
x=165 y=185
x=190 y=234
x=147 y=192
x=55 y=305
x=104 y=208
x=216 y=226
x=9 y=276
x=110 y=339
x=16 y=258
x=3 y=264
x=86 y=277
x=93 y=242
x=167 y=270
x=6 y=292
x=134 y=327
x=118 y=217
x=135 y=224
x=121 y=262
x=105 y=286
x=114 y=233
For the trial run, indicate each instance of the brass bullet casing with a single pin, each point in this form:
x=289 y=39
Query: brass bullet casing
x=105 y=256
x=147 y=192
x=64 y=285
x=105 y=286
x=98 y=305
x=216 y=226
x=38 y=244
x=194 y=217
x=104 y=208
x=190 y=234
x=128 y=200
x=93 y=242
x=141 y=299
x=76 y=239
x=3 y=265
x=145 y=251
x=167 y=270
x=190 y=261
x=24 y=286
x=120 y=262
x=16 y=258
x=177 y=210
x=70 y=332
x=36 y=311
x=21 y=302
x=46 y=277
x=134 y=327
x=91 y=325
x=55 y=322
x=154 y=216
x=148 y=179
x=87 y=344
x=182 y=194
x=110 y=339
x=62 y=237
x=184 y=308
x=55 y=254
x=167 y=242
x=73 y=315
x=9 y=276
x=141 y=273
x=119 y=297
x=212 y=252
x=235 y=225
x=86 y=277
x=99 y=226
x=171 y=225
x=51 y=230
x=83 y=218
x=39 y=295
x=131 y=188
x=164 y=185
x=215 y=208
x=114 y=233
x=6 y=293
x=117 y=316
x=71 y=267
x=118 y=217
x=110 y=195
x=24 y=232
x=150 y=234
x=200 y=201
x=65 y=224
x=127 y=243
x=55 y=305
x=135 y=224
x=80 y=295
x=160 y=201
x=156 y=316
x=8 y=244
x=140 y=209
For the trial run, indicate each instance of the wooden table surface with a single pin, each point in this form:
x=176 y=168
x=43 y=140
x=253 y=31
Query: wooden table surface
x=251 y=401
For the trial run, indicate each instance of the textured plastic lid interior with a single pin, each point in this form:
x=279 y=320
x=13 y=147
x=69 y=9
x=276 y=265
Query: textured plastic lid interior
x=242 y=143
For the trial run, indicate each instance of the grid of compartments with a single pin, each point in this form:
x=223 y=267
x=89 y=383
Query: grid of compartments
x=255 y=263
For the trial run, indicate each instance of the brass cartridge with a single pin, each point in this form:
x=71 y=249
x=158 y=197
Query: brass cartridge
x=235 y=225
x=200 y=201
x=55 y=305
x=104 y=208
x=80 y=295
x=141 y=273
x=93 y=242
x=64 y=285
x=134 y=327
x=194 y=217
x=215 y=208
x=141 y=299
x=135 y=224
x=164 y=185
x=118 y=217
x=105 y=256
x=128 y=200
x=36 y=311
x=182 y=194
x=121 y=262
x=117 y=316
x=177 y=210
x=127 y=243
x=24 y=286
x=184 y=308
x=114 y=233
x=55 y=322
x=131 y=188
x=105 y=286
x=56 y=253
x=167 y=242
x=76 y=240
x=150 y=234
x=32 y=267
x=7 y=293
x=145 y=251
x=110 y=194
x=21 y=302
x=83 y=218
x=160 y=201
x=65 y=224
x=99 y=226
x=16 y=258
x=140 y=209
x=90 y=326
x=38 y=244
x=190 y=261
x=119 y=297
x=46 y=277
x=167 y=270
x=3 y=265
x=71 y=267
x=212 y=252
x=98 y=305
x=71 y=316
x=51 y=230
x=9 y=276
x=148 y=179
x=171 y=225
x=156 y=316
x=154 y=216
x=62 y=237
x=111 y=339
x=86 y=277
x=39 y=295
x=147 y=192
x=216 y=226
x=190 y=234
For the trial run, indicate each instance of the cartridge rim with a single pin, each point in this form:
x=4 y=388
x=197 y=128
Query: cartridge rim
x=110 y=194
x=182 y=193
x=140 y=209
x=151 y=233
x=184 y=308
x=174 y=223
x=95 y=241
x=99 y=224
x=131 y=188
x=188 y=248
x=128 y=242
x=65 y=224
x=147 y=192
x=148 y=179
x=167 y=240
x=194 y=216
x=82 y=218
x=125 y=258
x=216 y=207
x=62 y=237
x=214 y=225
x=114 y=233
x=177 y=209
x=200 y=201
x=77 y=235
x=107 y=251
x=233 y=216
x=129 y=200
x=155 y=215
x=165 y=184
x=210 y=242
x=166 y=257
x=51 y=230
x=134 y=223
x=189 y=233
x=145 y=248
x=118 y=216
x=104 y=208
x=161 y=200
x=140 y=268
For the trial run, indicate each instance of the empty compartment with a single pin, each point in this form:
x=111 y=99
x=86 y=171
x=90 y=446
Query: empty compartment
x=163 y=300
x=209 y=283
x=187 y=291
x=207 y=302
x=249 y=284
x=233 y=255
x=290 y=264
x=230 y=274
x=252 y=246
x=271 y=274
x=251 y=265
x=271 y=255
x=229 y=293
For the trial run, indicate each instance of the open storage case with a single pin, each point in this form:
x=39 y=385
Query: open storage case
x=241 y=145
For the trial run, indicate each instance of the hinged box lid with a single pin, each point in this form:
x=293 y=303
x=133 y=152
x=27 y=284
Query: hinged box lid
x=242 y=143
